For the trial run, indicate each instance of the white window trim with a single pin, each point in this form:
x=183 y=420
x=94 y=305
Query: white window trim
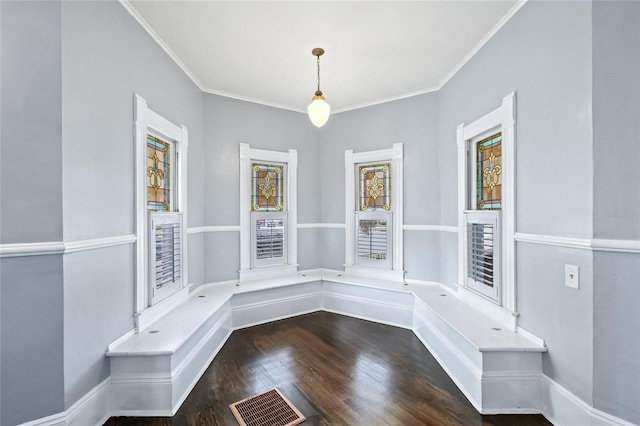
x=148 y=121
x=396 y=156
x=502 y=120
x=290 y=158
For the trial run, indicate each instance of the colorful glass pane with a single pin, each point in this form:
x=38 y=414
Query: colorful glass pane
x=158 y=175
x=267 y=184
x=374 y=181
x=489 y=173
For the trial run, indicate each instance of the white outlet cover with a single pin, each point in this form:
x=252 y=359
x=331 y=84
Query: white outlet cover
x=572 y=276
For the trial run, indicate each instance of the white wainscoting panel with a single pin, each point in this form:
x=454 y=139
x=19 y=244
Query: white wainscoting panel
x=383 y=306
x=259 y=307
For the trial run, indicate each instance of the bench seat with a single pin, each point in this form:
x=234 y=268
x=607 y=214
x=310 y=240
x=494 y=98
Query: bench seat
x=153 y=371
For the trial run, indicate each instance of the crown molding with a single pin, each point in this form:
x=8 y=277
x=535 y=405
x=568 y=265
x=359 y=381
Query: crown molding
x=253 y=100
x=134 y=13
x=482 y=42
x=385 y=100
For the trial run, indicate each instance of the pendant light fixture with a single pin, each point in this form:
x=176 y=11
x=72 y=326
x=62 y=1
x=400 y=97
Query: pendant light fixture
x=318 y=109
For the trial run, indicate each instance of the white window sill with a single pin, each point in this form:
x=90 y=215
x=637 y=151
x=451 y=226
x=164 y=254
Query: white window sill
x=374 y=273
x=280 y=271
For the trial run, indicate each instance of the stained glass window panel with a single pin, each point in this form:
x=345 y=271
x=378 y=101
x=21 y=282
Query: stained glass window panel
x=489 y=173
x=158 y=175
x=374 y=181
x=267 y=187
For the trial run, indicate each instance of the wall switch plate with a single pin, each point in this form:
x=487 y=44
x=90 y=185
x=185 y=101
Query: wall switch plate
x=572 y=276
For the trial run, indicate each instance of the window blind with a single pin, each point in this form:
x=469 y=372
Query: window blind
x=372 y=239
x=270 y=242
x=480 y=245
x=482 y=231
x=168 y=257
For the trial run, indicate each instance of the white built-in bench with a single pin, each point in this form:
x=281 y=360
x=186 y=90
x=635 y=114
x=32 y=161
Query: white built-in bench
x=152 y=372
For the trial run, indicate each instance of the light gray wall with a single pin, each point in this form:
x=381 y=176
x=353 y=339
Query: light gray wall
x=98 y=308
x=30 y=153
x=616 y=334
x=543 y=53
x=333 y=248
x=616 y=211
x=310 y=252
x=31 y=330
x=102 y=68
x=221 y=256
x=616 y=119
x=414 y=122
x=562 y=316
x=31 y=327
x=227 y=123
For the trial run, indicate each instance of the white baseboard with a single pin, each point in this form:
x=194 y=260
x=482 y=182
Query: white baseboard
x=94 y=408
x=599 y=418
x=562 y=408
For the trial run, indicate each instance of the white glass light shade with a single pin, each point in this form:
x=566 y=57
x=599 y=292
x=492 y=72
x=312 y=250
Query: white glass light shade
x=318 y=111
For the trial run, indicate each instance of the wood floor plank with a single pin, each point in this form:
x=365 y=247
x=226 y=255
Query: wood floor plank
x=336 y=370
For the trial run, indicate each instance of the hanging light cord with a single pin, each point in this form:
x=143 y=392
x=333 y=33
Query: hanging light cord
x=318 y=73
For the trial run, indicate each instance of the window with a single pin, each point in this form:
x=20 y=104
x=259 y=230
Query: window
x=486 y=249
x=374 y=187
x=373 y=217
x=482 y=220
x=267 y=182
x=165 y=224
x=161 y=194
x=487 y=176
x=268 y=213
x=160 y=155
x=374 y=213
x=268 y=216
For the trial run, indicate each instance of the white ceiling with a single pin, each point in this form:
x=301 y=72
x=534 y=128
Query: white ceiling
x=375 y=50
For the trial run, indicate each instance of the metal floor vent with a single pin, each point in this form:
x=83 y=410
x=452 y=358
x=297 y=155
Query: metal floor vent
x=270 y=408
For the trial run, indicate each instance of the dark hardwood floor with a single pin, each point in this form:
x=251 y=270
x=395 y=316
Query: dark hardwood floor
x=335 y=370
